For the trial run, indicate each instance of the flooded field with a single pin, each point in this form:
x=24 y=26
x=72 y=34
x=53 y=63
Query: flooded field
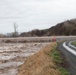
x=12 y=55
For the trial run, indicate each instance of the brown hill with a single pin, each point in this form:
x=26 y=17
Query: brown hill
x=65 y=28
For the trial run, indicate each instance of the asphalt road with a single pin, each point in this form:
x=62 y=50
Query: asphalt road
x=70 y=56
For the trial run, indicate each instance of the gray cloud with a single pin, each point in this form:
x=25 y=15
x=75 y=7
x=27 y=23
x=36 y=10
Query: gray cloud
x=30 y=14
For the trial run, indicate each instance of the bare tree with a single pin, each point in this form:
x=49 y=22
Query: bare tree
x=15 y=30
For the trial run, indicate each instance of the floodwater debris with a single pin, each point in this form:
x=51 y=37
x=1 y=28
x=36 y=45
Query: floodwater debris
x=12 y=55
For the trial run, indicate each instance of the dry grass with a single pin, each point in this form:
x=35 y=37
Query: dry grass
x=39 y=64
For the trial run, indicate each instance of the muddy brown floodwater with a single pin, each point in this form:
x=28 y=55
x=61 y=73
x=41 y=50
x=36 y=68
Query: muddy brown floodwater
x=12 y=55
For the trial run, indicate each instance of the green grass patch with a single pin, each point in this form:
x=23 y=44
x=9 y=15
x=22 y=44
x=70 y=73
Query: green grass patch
x=63 y=71
x=56 y=57
x=74 y=43
x=58 y=60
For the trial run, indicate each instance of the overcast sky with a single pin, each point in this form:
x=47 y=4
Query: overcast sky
x=34 y=14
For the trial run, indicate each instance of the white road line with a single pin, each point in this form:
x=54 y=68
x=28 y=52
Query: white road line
x=69 y=49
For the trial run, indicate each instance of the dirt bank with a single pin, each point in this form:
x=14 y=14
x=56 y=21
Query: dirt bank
x=40 y=63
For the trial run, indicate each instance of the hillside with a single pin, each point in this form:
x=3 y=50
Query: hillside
x=65 y=28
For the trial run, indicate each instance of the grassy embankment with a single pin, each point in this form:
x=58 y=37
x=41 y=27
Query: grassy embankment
x=74 y=43
x=46 y=62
